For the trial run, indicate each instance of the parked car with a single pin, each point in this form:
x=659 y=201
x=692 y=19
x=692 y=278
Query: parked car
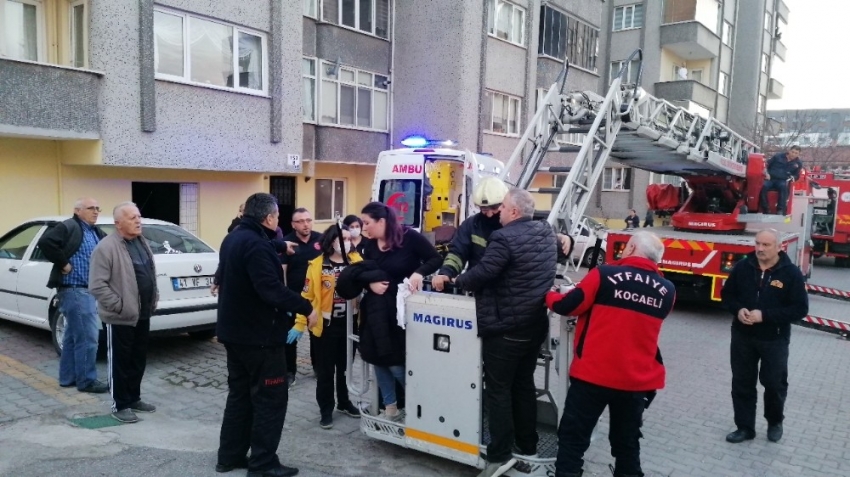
x=589 y=230
x=185 y=266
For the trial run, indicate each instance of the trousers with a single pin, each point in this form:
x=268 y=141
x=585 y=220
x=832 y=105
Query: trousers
x=79 y=345
x=258 y=394
x=745 y=355
x=328 y=354
x=127 y=352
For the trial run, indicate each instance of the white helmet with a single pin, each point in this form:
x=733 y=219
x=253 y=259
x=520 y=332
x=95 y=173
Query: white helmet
x=489 y=192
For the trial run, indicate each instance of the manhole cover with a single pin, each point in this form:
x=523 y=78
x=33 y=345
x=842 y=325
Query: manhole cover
x=95 y=422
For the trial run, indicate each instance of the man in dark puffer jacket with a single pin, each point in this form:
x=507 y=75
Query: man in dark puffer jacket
x=510 y=283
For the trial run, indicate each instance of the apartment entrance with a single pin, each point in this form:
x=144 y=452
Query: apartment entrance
x=283 y=188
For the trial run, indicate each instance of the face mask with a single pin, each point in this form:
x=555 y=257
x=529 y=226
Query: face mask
x=354 y=233
x=347 y=248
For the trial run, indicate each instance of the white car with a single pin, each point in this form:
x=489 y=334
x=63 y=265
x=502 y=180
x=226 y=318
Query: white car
x=589 y=230
x=185 y=266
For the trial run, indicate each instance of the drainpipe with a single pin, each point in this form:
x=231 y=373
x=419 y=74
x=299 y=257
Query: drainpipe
x=392 y=78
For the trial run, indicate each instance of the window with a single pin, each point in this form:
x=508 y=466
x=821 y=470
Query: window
x=368 y=16
x=761 y=104
x=507 y=21
x=656 y=178
x=405 y=196
x=504 y=113
x=723 y=83
x=726 y=34
x=23 y=27
x=201 y=51
x=308 y=104
x=168 y=239
x=553 y=33
x=632 y=70
x=630 y=16
x=617 y=178
x=696 y=75
x=330 y=198
x=582 y=45
x=14 y=245
x=311 y=8
x=768 y=21
x=350 y=97
x=79 y=33
x=765 y=59
x=189 y=206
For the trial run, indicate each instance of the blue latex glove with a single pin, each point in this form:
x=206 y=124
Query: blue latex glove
x=293 y=336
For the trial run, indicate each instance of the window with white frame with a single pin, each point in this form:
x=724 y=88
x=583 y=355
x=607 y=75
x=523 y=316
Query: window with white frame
x=23 y=26
x=723 y=83
x=368 y=16
x=617 y=178
x=507 y=21
x=761 y=104
x=189 y=206
x=350 y=97
x=582 y=45
x=553 y=33
x=308 y=103
x=656 y=178
x=632 y=70
x=504 y=113
x=311 y=8
x=768 y=20
x=197 y=50
x=628 y=17
x=330 y=198
x=726 y=34
x=79 y=33
x=765 y=59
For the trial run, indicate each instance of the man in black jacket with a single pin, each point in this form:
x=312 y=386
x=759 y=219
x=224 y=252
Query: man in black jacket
x=69 y=245
x=780 y=168
x=255 y=312
x=510 y=284
x=765 y=293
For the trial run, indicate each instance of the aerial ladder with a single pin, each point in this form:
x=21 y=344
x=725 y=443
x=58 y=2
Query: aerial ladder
x=444 y=399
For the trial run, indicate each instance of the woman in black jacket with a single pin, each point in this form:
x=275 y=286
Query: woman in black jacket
x=396 y=254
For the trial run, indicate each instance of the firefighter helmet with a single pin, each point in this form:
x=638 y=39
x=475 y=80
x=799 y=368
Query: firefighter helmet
x=489 y=192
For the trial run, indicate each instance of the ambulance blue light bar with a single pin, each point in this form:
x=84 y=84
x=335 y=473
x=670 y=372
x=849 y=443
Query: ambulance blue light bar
x=421 y=141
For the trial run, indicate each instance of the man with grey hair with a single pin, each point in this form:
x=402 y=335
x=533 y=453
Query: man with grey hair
x=255 y=313
x=123 y=279
x=69 y=246
x=510 y=282
x=765 y=293
x=617 y=363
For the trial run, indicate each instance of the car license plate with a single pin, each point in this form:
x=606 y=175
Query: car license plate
x=189 y=283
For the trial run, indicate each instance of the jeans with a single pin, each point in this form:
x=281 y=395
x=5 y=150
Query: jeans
x=745 y=354
x=128 y=350
x=774 y=184
x=387 y=377
x=79 y=345
x=257 y=397
x=510 y=394
x=584 y=404
x=328 y=354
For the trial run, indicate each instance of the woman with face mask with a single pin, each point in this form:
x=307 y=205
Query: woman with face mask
x=355 y=226
x=327 y=338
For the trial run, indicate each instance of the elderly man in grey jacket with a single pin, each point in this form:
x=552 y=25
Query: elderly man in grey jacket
x=123 y=280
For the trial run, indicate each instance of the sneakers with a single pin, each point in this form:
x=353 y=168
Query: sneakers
x=95 y=387
x=740 y=435
x=291 y=379
x=774 y=432
x=326 y=422
x=494 y=469
x=141 y=406
x=240 y=464
x=397 y=417
x=349 y=409
x=127 y=416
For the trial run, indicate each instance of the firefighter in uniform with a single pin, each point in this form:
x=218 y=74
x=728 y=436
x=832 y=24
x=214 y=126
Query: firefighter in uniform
x=617 y=362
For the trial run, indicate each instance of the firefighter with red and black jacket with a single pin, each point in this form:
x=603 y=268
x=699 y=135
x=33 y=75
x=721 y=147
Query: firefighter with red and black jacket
x=617 y=362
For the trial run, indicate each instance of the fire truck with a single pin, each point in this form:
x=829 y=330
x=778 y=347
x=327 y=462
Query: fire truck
x=711 y=230
x=444 y=381
x=831 y=221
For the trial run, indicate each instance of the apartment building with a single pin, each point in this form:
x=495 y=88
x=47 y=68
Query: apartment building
x=703 y=55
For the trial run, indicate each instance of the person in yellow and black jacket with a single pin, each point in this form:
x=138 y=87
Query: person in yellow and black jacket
x=327 y=337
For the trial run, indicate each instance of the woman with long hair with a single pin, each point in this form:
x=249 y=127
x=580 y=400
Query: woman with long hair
x=328 y=337
x=400 y=253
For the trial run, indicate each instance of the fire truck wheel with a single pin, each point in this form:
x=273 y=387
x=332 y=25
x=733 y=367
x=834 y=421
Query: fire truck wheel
x=588 y=258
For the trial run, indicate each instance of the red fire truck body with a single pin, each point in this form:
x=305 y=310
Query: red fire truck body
x=831 y=221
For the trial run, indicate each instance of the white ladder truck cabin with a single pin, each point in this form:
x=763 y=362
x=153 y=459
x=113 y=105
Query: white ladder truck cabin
x=444 y=382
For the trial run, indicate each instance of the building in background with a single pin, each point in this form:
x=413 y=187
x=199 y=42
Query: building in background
x=823 y=135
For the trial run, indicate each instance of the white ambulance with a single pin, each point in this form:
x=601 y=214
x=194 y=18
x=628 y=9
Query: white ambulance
x=429 y=183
